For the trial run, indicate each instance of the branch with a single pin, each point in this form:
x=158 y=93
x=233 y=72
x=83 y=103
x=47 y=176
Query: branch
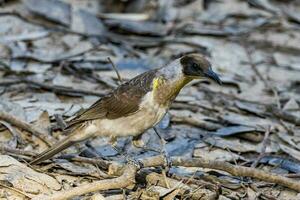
x=127 y=179
x=61 y=89
x=238 y=171
x=286 y=116
x=57 y=89
x=218 y=165
x=185 y=190
x=263 y=149
x=22 y=152
x=129 y=171
x=25 y=126
x=115 y=68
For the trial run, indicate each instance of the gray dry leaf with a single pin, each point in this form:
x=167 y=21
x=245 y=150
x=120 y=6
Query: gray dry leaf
x=246 y=120
x=292 y=140
x=284 y=163
x=25 y=36
x=290 y=151
x=233 y=130
x=216 y=154
x=25 y=178
x=140 y=28
x=87 y=23
x=77 y=169
x=53 y=10
x=239 y=145
x=63 y=46
x=12 y=108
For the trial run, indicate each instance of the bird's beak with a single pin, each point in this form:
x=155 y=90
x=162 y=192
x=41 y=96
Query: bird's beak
x=212 y=75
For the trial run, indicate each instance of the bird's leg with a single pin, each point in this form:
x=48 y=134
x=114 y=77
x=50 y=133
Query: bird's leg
x=138 y=143
x=163 y=148
x=128 y=158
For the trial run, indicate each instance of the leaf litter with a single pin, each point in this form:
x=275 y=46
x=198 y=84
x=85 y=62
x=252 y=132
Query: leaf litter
x=53 y=61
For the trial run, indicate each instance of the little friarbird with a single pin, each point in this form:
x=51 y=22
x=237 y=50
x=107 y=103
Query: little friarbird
x=136 y=105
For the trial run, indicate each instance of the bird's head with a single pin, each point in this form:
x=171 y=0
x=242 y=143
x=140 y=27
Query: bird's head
x=196 y=66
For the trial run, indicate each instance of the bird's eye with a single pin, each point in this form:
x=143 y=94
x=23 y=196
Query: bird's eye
x=195 y=65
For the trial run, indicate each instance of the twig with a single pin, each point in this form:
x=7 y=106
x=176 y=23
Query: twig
x=25 y=126
x=127 y=179
x=218 y=165
x=128 y=174
x=116 y=70
x=62 y=90
x=15 y=135
x=286 y=116
x=57 y=89
x=16 y=190
x=195 y=122
x=202 y=183
x=95 y=161
x=263 y=149
x=238 y=171
x=60 y=121
x=17 y=151
x=185 y=190
x=257 y=72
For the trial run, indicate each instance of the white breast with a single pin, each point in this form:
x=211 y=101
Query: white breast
x=148 y=115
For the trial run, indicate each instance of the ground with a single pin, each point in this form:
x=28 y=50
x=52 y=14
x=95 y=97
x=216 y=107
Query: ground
x=235 y=141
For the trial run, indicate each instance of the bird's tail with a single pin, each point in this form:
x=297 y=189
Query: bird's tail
x=55 y=149
x=74 y=136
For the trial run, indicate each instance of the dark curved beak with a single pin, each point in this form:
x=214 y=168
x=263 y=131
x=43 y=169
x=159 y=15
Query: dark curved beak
x=212 y=75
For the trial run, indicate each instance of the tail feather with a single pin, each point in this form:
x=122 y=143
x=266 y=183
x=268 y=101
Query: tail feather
x=55 y=149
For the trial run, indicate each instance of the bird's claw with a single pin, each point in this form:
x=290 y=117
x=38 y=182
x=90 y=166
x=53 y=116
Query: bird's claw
x=132 y=161
x=167 y=160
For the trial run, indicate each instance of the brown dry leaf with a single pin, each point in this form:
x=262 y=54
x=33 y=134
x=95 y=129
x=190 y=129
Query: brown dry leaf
x=251 y=194
x=24 y=178
x=97 y=197
x=43 y=122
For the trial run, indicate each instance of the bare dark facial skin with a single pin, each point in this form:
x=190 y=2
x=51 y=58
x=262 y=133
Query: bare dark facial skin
x=197 y=66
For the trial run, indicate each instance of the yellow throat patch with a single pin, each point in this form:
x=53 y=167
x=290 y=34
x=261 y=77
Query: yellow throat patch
x=157 y=82
x=164 y=92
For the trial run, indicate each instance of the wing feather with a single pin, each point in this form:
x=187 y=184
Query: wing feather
x=123 y=101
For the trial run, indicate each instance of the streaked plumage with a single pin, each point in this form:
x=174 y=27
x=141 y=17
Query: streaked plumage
x=135 y=106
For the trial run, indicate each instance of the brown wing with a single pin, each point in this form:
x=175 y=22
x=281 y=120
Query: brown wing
x=123 y=101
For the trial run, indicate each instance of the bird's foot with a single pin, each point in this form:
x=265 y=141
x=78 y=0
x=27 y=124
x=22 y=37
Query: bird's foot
x=167 y=159
x=163 y=151
x=137 y=142
x=132 y=161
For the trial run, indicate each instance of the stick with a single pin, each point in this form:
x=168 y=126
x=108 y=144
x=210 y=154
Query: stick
x=61 y=89
x=57 y=89
x=25 y=126
x=127 y=179
x=16 y=190
x=185 y=190
x=129 y=171
x=218 y=165
x=257 y=72
x=263 y=149
x=286 y=116
x=238 y=171
x=115 y=68
x=7 y=149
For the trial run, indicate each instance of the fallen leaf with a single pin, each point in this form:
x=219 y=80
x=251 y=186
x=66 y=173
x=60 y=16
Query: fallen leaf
x=25 y=178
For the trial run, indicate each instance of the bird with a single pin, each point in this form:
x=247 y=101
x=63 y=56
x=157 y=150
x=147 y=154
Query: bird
x=136 y=105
